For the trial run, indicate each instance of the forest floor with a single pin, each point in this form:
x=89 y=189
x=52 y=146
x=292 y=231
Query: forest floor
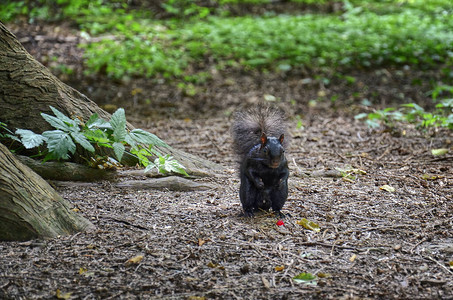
x=372 y=243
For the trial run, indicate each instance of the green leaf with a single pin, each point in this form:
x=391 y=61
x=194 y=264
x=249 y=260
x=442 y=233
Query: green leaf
x=98 y=136
x=360 y=116
x=130 y=141
x=118 y=148
x=95 y=122
x=30 y=139
x=167 y=163
x=4 y=127
x=118 y=122
x=92 y=120
x=59 y=144
x=56 y=123
x=145 y=137
x=82 y=141
x=64 y=118
x=438 y=152
x=10 y=136
x=149 y=167
x=306 y=278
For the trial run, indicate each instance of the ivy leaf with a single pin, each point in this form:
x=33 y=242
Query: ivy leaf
x=30 y=139
x=118 y=148
x=82 y=140
x=59 y=144
x=118 y=122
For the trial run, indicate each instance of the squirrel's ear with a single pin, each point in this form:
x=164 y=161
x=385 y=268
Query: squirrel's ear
x=281 y=138
x=263 y=139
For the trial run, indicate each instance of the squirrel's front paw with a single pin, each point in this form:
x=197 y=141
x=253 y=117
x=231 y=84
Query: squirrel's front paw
x=259 y=184
x=249 y=214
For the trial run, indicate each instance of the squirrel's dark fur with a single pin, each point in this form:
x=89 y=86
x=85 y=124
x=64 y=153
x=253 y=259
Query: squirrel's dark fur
x=259 y=139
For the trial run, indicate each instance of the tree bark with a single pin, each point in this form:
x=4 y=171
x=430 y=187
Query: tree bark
x=27 y=88
x=66 y=171
x=29 y=207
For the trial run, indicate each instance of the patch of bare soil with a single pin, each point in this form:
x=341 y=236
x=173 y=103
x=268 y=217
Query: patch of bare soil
x=181 y=245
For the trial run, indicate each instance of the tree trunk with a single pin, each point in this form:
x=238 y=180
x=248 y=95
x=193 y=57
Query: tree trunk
x=66 y=171
x=27 y=88
x=30 y=207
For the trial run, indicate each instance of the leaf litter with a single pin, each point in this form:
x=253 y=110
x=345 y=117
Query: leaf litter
x=372 y=244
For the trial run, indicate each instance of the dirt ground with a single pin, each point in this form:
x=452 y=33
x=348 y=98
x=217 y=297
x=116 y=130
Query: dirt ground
x=153 y=244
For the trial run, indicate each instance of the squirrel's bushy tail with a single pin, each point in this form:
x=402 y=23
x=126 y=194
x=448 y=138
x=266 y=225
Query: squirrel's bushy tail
x=248 y=126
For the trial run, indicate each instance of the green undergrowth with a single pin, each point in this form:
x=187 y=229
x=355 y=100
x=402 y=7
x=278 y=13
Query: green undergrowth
x=92 y=136
x=355 y=39
x=123 y=42
x=440 y=116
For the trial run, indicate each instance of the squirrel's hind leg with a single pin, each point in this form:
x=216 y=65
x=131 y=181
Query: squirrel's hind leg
x=249 y=195
x=278 y=197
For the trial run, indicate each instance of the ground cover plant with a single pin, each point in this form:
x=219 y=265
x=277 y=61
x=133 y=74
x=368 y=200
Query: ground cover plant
x=359 y=36
x=61 y=143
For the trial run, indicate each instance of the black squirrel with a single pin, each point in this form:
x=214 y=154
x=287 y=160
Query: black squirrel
x=259 y=140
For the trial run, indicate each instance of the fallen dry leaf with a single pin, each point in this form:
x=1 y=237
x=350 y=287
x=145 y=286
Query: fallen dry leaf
x=134 y=260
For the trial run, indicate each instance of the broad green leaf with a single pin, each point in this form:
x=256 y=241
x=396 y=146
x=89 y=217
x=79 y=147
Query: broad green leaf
x=149 y=167
x=64 y=118
x=372 y=123
x=56 y=123
x=118 y=122
x=360 y=116
x=93 y=118
x=118 y=148
x=309 y=225
x=130 y=141
x=98 y=136
x=305 y=278
x=387 y=188
x=59 y=144
x=438 y=152
x=167 y=164
x=82 y=140
x=10 y=136
x=145 y=137
x=30 y=139
x=95 y=122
